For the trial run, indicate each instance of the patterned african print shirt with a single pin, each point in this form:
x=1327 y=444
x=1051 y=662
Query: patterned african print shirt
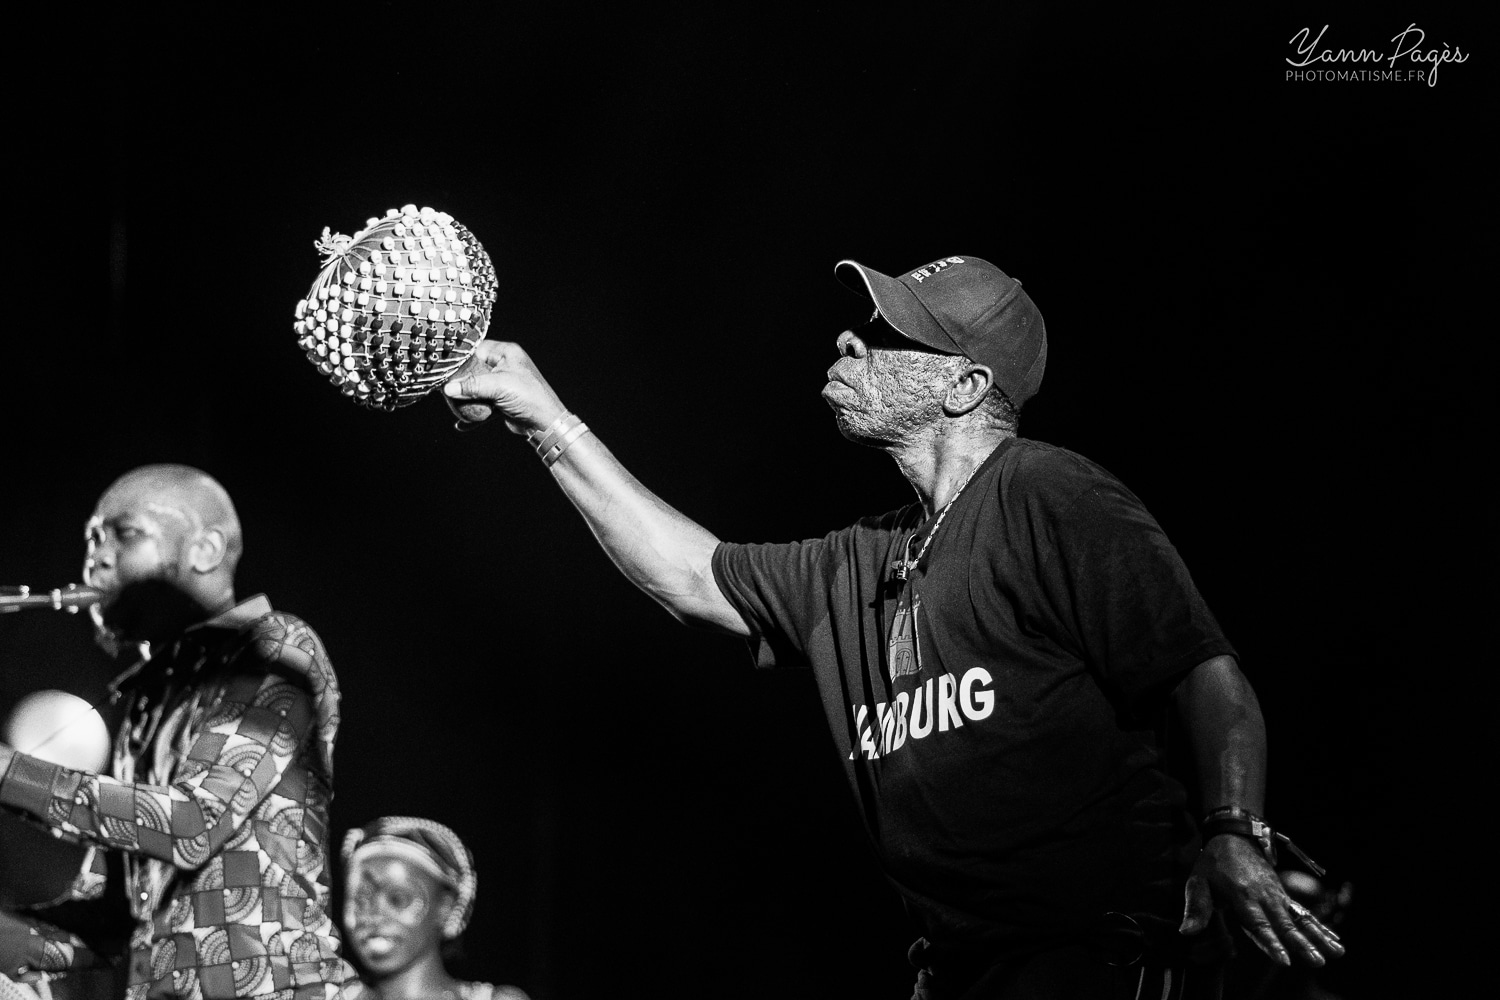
x=222 y=776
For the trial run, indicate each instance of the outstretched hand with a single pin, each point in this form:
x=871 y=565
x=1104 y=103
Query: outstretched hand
x=1232 y=871
x=501 y=376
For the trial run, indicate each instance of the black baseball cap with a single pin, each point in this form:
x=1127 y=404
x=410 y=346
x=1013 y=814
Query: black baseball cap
x=962 y=305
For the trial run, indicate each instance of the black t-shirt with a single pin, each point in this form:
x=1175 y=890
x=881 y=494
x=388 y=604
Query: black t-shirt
x=997 y=713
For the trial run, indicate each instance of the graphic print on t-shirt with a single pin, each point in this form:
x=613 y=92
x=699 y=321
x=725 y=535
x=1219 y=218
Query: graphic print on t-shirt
x=939 y=704
x=901 y=655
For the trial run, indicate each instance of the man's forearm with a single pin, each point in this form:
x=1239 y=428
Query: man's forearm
x=185 y=822
x=1227 y=733
x=660 y=550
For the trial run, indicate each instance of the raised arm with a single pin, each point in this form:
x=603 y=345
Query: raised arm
x=1227 y=734
x=658 y=549
x=253 y=733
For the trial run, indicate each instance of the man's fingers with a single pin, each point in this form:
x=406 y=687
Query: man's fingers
x=473 y=385
x=1320 y=940
x=489 y=349
x=1198 y=905
x=1291 y=929
x=461 y=384
x=500 y=375
x=1315 y=942
x=495 y=355
x=470 y=413
x=462 y=387
x=1259 y=930
x=494 y=370
x=1289 y=923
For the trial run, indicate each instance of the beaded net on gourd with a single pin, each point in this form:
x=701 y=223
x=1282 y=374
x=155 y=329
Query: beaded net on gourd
x=398 y=307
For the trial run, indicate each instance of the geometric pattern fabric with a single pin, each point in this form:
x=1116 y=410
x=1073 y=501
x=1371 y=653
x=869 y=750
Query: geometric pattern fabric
x=219 y=796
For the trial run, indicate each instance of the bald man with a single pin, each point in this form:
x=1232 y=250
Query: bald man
x=222 y=774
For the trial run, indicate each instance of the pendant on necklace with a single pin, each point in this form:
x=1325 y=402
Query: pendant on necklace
x=902 y=567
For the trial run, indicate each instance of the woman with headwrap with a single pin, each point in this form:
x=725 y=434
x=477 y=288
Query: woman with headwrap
x=409 y=888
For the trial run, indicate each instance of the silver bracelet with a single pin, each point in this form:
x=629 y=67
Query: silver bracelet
x=543 y=440
x=564 y=443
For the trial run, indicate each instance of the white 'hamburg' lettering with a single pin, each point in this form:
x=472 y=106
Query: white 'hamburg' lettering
x=866 y=738
x=972 y=696
x=976 y=704
x=887 y=720
x=919 y=728
x=947 y=703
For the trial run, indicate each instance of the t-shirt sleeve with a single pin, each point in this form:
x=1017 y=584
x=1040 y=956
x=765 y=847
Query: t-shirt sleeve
x=780 y=590
x=1125 y=595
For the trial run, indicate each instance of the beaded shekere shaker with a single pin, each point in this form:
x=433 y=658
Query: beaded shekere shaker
x=399 y=306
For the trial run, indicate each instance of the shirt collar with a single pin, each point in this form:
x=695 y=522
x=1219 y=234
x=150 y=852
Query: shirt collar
x=237 y=617
x=233 y=619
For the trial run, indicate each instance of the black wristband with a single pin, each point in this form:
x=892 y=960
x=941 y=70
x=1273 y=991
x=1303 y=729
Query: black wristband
x=1237 y=822
x=1240 y=823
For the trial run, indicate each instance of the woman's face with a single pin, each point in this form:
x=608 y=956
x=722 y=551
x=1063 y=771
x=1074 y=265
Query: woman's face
x=394 y=913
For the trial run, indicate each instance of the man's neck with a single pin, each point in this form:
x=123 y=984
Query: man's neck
x=219 y=603
x=177 y=618
x=939 y=462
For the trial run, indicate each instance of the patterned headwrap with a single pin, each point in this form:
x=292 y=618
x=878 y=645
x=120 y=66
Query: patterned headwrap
x=421 y=839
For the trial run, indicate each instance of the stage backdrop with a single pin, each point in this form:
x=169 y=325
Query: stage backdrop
x=1260 y=296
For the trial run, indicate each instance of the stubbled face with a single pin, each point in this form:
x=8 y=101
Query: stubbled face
x=882 y=388
x=133 y=538
x=136 y=544
x=394 y=913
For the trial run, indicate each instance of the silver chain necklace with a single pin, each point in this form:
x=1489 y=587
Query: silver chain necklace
x=903 y=567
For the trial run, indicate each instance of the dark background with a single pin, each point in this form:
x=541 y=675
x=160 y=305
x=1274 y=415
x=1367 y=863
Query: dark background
x=1262 y=299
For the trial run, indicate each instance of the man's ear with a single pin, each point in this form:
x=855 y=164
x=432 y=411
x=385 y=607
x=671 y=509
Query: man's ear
x=207 y=551
x=968 y=389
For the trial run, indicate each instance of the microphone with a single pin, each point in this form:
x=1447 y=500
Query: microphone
x=69 y=598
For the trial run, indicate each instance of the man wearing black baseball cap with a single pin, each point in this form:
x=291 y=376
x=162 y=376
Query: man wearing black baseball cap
x=995 y=660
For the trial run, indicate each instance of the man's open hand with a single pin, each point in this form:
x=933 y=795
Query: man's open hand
x=1232 y=871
